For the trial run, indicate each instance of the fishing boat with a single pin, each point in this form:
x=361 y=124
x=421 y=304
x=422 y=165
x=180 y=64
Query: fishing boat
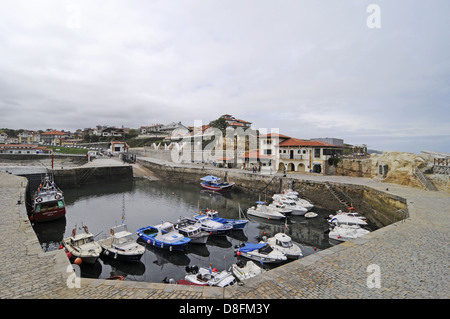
x=261 y=252
x=211 y=226
x=212 y=277
x=245 y=270
x=215 y=184
x=284 y=244
x=214 y=215
x=83 y=246
x=293 y=197
x=347 y=232
x=47 y=202
x=264 y=211
x=193 y=231
x=120 y=245
x=163 y=236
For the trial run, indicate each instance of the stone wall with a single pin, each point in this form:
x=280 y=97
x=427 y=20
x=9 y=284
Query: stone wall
x=89 y=175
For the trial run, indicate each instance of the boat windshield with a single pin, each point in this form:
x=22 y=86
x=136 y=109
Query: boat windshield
x=285 y=244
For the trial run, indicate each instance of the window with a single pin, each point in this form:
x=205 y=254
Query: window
x=317 y=152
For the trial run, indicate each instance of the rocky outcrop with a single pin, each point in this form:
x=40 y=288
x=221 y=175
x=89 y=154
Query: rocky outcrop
x=393 y=167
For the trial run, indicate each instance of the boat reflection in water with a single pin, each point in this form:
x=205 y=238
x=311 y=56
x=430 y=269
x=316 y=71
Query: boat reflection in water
x=150 y=202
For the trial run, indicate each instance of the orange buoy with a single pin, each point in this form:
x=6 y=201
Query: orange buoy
x=61 y=246
x=69 y=254
x=78 y=261
x=238 y=253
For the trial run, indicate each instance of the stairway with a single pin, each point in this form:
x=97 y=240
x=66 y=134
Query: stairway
x=429 y=186
x=339 y=195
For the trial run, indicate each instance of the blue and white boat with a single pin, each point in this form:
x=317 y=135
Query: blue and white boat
x=261 y=252
x=214 y=215
x=209 y=225
x=215 y=184
x=163 y=236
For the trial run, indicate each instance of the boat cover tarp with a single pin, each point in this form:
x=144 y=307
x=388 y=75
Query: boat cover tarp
x=251 y=247
x=210 y=178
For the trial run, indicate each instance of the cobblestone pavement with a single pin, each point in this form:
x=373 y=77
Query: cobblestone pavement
x=412 y=257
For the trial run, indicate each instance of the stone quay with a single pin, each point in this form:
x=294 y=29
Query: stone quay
x=404 y=260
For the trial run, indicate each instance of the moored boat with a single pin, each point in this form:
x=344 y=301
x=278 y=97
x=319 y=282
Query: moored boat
x=281 y=208
x=293 y=197
x=163 y=236
x=192 y=231
x=245 y=270
x=211 y=226
x=284 y=244
x=264 y=211
x=82 y=246
x=347 y=232
x=121 y=246
x=214 y=215
x=215 y=184
x=47 y=202
x=261 y=252
x=212 y=277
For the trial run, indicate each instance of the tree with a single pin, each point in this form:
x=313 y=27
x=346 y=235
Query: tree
x=220 y=123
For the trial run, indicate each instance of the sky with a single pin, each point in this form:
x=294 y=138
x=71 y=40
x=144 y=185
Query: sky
x=378 y=76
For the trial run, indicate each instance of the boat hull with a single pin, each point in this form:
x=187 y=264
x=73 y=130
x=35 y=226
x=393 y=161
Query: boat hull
x=49 y=215
x=123 y=257
x=179 y=245
x=217 y=188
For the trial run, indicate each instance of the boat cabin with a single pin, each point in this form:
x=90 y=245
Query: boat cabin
x=283 y=240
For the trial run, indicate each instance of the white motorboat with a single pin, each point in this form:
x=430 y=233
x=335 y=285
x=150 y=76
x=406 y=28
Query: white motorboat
x=121 y=245
x=347 y=232
x=209 y=225
x=192 y=231
x=244 y=270
x=298 y=201
x=264 y=211
x=311 y=215
x=281 y=208
x=83 y=246
x=211 y=277
x=347 y=219
x=297 y=209
x=284 y=244
x=261 y=252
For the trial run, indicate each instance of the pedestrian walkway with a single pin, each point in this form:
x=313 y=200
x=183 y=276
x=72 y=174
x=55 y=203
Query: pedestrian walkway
x=408 y=259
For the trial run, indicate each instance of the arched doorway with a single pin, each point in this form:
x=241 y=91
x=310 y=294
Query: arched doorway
x=301 y=168
x=291 y=167
x=281 y=167
x=317 y=168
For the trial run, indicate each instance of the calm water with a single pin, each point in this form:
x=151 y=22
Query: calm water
x=148 y=203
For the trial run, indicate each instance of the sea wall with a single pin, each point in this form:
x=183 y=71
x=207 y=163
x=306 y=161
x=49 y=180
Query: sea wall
x=45 y=160
x=380 y=208
x=78 y=176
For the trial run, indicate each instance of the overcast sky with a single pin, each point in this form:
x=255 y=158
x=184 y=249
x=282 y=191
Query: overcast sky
x=309 y=68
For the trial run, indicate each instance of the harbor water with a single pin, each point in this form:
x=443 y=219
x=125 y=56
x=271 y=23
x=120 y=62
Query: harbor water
x=145 y=203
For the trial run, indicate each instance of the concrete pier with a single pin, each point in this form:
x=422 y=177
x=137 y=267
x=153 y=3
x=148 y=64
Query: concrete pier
x=408 y=259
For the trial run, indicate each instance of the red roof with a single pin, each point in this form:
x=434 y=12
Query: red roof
x=299 y=142
x=274 y=135
x=54 y=133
